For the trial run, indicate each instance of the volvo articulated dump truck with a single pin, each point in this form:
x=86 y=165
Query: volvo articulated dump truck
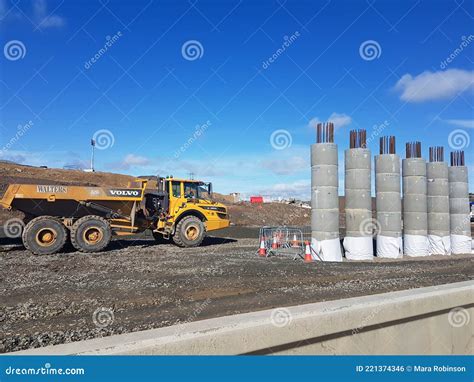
x=177 y=209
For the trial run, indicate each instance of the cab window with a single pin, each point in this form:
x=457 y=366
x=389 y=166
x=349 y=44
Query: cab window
x=176 y=189
x=191 y=190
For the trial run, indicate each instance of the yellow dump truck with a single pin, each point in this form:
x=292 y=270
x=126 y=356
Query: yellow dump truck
x=176 y=209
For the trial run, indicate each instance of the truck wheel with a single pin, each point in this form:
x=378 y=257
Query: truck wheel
x=189 y=232
x=44 y=235
x=91 y=234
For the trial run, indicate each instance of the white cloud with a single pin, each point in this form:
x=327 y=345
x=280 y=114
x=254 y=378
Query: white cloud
x=467 y=123
x=130 y=160
x=433 y=86
x=339 y=119
x=45 y=19
x=285 y=166
x=43 y=158
x=300 y=189
x=136 y=160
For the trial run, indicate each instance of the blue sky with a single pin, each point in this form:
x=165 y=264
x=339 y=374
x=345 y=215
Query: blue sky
x=230 y=90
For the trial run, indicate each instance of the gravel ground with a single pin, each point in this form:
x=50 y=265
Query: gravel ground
x=137 y=285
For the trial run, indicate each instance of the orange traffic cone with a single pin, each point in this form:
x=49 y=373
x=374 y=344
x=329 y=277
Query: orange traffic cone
x=262 y=251
x=307 y=253
x=294 y=242
x=275 y=242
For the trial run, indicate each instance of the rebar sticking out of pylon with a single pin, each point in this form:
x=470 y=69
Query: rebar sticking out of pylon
x=413 y=150
x=358 y=139
x=457 y=158
x=325 y=132
x=387 y=145
x=437 y=154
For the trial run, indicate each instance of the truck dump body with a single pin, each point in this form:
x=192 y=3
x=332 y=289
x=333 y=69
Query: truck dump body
x=70 y=201
x=88 y=217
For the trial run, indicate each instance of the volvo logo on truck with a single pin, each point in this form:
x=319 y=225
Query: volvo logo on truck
x=124 y=192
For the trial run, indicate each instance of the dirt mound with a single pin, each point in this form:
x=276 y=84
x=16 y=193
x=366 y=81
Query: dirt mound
x=247 y=214
x=13 y=173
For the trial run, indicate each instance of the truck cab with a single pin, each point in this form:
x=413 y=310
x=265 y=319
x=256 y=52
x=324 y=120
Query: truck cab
x=187 y=211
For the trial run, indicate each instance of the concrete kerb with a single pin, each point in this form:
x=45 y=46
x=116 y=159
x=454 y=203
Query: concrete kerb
x=307 y=328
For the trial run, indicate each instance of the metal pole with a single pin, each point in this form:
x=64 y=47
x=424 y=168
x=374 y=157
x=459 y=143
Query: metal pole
x=92 y=155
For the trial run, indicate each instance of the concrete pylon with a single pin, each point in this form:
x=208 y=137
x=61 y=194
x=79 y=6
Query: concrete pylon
x=415 y=210
x=388 y=201
x=459 y=205
x=438 y=203
x=324 y=196
x=358 y=242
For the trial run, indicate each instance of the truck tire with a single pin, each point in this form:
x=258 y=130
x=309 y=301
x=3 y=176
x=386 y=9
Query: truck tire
x=91 y=234
x=44 y=235
x=189 y=232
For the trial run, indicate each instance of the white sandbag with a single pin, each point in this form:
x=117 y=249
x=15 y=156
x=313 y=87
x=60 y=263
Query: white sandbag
x=460 y=244
x=439 y=245
x=326 y=250
x=415 y=245
x=358 y=248
x=389 y=247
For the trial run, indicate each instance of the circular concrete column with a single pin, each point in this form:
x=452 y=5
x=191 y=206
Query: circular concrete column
x=438 y=208
x=415 y=208
x=388 y=206
x=325 y=201
x=358 y=204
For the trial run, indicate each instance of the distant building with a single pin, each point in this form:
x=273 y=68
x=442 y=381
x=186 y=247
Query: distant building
x=256 y=199
x=235 y=197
